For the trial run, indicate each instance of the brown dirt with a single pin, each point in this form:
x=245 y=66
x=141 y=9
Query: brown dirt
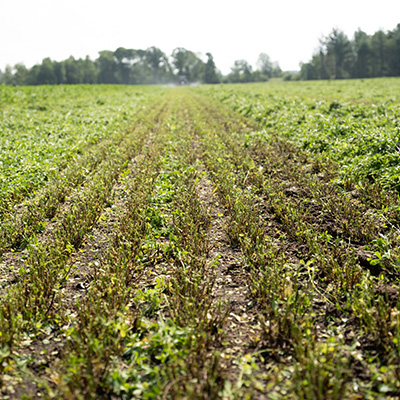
x=242 y=329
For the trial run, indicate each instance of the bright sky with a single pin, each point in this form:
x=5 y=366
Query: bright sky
x=287 y=30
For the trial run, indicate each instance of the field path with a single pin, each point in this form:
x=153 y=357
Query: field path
x=242 y=328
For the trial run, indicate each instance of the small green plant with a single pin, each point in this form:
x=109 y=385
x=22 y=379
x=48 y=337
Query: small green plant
x=321 y=371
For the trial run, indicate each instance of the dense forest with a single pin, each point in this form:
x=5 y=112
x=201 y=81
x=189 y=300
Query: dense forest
x=365 y=56
x=338 y=57
x=129 y=66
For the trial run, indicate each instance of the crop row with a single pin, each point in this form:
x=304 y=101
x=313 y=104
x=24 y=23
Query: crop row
x=44 y=128
x=33 y=302
x=363 y=139
x=112 y=337
x=201 y=258
x=298 y=271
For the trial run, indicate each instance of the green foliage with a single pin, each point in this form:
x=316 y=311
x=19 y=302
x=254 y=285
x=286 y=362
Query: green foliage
x=122 y=66
x=43 y=129
x=363 y=139
x=197 y=250
x=363 y=57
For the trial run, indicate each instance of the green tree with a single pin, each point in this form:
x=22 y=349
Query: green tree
x=187 y=64
x=20 y=74
x=339 y=54
x=241 y=72
x=140 y=73
x=363 y=55
x=210 y=70
x=90 y=73
x=59 y=70
x=46 y=74
x=157 y=63
x=307 y=71
x=379 y=54
x=74 y=71
x=33 y=75
x=107 y=67
x=267 y=67
x=394 y=51
x=8 y=77
x=123 y=59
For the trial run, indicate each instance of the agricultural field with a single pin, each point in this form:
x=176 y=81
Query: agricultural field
x=212 y=242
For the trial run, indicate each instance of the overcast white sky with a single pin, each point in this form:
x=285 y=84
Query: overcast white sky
x=287 y=30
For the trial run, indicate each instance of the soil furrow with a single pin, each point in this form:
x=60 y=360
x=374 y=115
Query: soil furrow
x=204 y=264
x=242 y=329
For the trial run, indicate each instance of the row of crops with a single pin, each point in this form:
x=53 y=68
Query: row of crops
x=217 y=242
x=42 y=129
x=355 y=124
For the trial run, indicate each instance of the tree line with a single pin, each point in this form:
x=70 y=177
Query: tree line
x=338 y=57
x=365 y=56
x=130 y=66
